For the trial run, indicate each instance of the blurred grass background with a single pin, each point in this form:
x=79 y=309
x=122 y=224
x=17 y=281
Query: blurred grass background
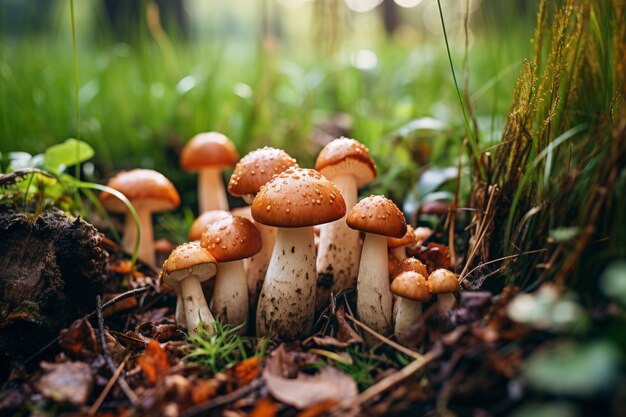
x=281 y=73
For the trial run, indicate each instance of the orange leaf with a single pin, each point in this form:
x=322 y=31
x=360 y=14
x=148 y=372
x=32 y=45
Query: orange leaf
x=204 y=390
x=122 y=267
x=264 y=408
x=247 y=370
x=154 y=361
x=318 y=408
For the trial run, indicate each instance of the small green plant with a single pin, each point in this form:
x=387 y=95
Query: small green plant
x=225 y=346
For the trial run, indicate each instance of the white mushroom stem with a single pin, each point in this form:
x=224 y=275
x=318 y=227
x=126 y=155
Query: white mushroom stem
x=399 y=253
x=196 y=309
x=373 y=302
x=445 y=302
x=180 y=310
x=287 y=301
x=256 y=266
x=339 y=246
x=211 y=191
x=409 y=313
x=230 y=296
x=146 y=242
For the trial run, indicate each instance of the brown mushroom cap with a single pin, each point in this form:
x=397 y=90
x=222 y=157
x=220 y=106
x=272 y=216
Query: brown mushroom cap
x=411 y=285
x=421 y=234
x=141 y=185
x=379 y=215
x=345 y=156
x=442 y=281
x=209 y=149
x=407 y=239
x=188 y=258
x=257 y=168
x=200 y=224
x=298 y=197
x=410 y=264
x=232 y=239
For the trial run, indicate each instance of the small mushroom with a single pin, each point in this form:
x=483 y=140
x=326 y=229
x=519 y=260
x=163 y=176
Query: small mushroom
x=203 y=221
x=149 y=192
x=421 y=234
x=347 y=163
x=408 y=264
x=444 y=283
x=209 y=153
x=254 y=170
x=398 y=246
x=187 y=266
x=231 y=240
x=293 y=201
x=378 y=217
x=413 y=290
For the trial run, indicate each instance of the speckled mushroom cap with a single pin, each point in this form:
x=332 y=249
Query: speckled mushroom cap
x=209 y=149
x=345 y=156
x=410 y=264
x=231 y=239
x=188 y=259
x=200 y=224
x=411 y=285
x=298 y=197
x=256 y=169
x=442 y=281
x=407 y=239
x=145 y=185
x=379 y=215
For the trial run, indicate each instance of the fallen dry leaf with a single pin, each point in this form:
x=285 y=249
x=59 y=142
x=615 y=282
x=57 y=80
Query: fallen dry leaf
x=264 y=408
x=154 y=361
x=346 y=333
x=318 y=408
x=122 y=267
x=433 y=255
x=246 y=371
x=69 y=382
x=79 y=340
x=306 y=390
x=203 y=390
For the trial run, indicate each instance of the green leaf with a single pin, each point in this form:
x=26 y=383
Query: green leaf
x=613 y=281
x=574 y=369
x=70 y=152
x=564 y=234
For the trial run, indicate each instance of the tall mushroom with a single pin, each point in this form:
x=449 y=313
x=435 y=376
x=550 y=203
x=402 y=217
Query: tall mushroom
x=413 y=290
x=149 y=192
x=293 y=201
x=230 y=240
x=253 y=171
x=347 y=163
x=444 y=283
x=378 y=217
x=209 y=153
x=187 y=266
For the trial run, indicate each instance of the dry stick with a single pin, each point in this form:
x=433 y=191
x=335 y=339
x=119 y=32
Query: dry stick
x=383 y=339
x=105 y=306
x=92 y=410
x=389 y=381
x=223 y=400
x=130 y=394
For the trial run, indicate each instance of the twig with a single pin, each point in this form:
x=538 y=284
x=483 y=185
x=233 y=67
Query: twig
x=384 y=339
x=389 y=381
x=223 y=400
x=132 y=397
x=92 y=410
x=105 y=306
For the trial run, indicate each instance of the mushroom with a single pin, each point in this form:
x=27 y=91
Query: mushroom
x=209 y=153
x=293 y=201
x=149 y=192
x=444 y=283
x=413 y=290
x=187 y=266
x=203 y=221
x=253 y=171
x=378 y=217
x=347 y=163
x=230 y=240
x=409 y=264
x=398 y=246
x=421 y=234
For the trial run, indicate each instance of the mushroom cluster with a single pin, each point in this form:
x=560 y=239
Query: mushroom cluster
x=268 y=266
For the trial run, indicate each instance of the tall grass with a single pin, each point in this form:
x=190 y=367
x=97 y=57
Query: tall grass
x=553 y=203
